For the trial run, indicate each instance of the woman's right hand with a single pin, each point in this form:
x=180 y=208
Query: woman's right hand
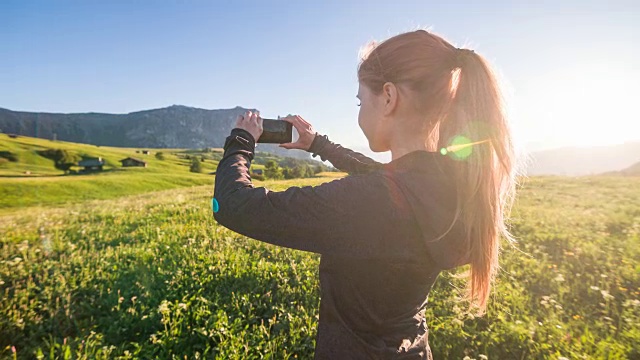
x=306 y=133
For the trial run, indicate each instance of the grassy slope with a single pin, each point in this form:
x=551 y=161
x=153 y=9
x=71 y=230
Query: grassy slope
x=154 y=276
x=47 y=185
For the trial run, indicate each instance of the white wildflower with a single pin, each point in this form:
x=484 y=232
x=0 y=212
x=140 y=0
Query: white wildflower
x=164 y=306
x=606 y=295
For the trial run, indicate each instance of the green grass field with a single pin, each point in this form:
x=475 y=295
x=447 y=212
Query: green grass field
x=152 y=275
x=34 y=181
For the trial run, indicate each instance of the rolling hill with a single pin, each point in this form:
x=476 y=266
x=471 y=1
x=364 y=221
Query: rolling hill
x=633 y=170
x=175 y=126
x=28 y=178
x=574 y=161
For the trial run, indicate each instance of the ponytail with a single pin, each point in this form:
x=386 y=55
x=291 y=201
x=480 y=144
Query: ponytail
x=484 y=175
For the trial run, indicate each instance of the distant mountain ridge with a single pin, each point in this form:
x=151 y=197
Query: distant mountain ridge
x=633 y=170
x=576 y=161
x=568 y=161
x=179 y=126
x=176 y=126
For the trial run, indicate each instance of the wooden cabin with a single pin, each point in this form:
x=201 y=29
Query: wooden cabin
x=91 y=164
x=131 y=161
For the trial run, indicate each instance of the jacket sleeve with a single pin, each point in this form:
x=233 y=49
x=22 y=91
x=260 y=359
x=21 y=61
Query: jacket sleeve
x=342 y=158
x=353 y=216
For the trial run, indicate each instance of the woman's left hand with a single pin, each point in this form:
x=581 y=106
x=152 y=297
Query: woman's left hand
x=251 y=122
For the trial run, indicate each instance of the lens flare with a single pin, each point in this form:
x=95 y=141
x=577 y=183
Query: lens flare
x=461 y=147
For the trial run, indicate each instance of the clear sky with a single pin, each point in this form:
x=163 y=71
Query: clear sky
x=570 y=69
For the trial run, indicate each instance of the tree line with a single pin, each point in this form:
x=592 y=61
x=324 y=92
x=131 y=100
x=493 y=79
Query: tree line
x=276 y=172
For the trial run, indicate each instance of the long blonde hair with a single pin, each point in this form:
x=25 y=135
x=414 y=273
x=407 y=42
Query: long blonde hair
x=462 y=104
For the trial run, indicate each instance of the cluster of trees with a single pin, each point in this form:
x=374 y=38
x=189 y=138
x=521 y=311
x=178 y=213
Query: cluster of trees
x=195 y=166
x=8 y=156
x=62 y=159
x=191 y=157
x=287 y=168
x=274 y=171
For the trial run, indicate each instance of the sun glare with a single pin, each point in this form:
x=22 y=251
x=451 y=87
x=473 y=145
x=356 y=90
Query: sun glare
x=585 y=105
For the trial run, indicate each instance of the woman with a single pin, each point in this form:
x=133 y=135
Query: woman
x=386 y=231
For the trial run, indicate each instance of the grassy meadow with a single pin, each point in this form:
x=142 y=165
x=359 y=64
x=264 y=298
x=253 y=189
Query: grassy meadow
x=152 y=275
x=34 y=181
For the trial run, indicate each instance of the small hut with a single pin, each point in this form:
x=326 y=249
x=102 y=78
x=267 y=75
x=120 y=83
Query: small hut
x=145 y=152
x=131 y=161
x=256 y=171
x=91 y=164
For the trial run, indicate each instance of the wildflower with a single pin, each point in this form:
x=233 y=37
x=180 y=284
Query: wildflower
x=630 y=302
x=23 y=246
x=606 y=295
x=559 y=278
x=483 y=357
x=164 y=306
x=182 y=306
x=595 y=288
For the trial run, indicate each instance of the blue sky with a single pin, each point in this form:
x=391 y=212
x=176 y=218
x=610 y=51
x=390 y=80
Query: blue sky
x=569 y=68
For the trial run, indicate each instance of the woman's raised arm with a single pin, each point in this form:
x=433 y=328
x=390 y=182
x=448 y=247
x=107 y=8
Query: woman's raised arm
x=353 y=216
x=342 y=158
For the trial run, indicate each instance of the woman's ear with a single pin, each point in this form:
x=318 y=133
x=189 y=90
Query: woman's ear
x=390 y=97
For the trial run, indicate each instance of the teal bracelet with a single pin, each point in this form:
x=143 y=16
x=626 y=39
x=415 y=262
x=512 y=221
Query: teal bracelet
x=214 y=205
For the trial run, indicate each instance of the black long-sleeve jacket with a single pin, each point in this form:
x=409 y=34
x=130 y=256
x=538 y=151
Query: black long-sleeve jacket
x=374 y=230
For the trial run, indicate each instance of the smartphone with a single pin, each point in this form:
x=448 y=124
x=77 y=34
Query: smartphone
x=275 y=131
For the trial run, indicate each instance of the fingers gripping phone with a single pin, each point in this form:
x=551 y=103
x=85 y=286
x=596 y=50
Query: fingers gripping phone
x=275 y=132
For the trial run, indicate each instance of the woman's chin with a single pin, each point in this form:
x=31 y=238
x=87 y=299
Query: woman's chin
x=377 y=148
